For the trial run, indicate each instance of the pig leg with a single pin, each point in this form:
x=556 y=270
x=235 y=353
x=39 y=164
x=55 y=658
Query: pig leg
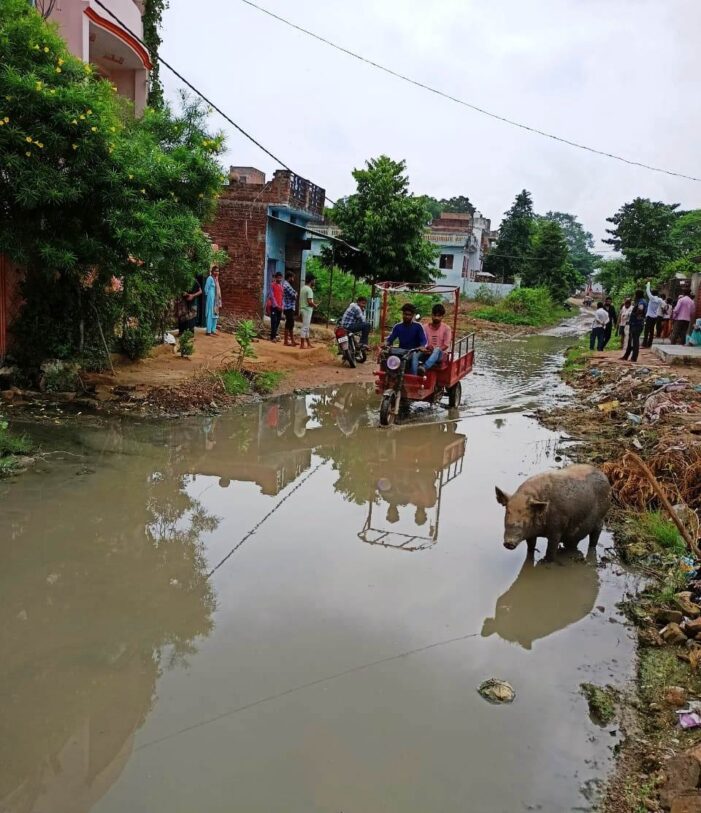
x=553 y=544
x=531 y=546
x=594 y=537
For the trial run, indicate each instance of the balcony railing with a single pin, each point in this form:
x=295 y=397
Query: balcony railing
x=305 y=195
x=447 y=239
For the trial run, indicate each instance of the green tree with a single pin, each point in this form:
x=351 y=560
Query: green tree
x=549 y=266
x=386 y=223
x=88 y=193
x=433 y=206
x=461 y=203
x=643 y=232
x=686 y=233
x=615 y=276
x=579 y=243
x=511 y=256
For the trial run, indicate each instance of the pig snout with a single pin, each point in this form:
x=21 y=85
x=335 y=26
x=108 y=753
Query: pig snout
x=512 y=540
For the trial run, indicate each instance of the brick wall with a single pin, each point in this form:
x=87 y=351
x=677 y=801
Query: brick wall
x=239 y=228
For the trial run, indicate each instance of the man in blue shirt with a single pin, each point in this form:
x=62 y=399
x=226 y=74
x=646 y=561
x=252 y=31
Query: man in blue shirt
x=408 y=333
x=354 y=321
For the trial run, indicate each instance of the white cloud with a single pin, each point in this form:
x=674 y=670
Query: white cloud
x=620 y=75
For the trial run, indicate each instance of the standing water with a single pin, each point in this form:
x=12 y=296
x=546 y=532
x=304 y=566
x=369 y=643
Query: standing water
x=290 y=609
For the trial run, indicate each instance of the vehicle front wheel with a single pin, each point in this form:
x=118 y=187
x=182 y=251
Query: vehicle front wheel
x=387 y=409
x=455 y=395
x=350 y=358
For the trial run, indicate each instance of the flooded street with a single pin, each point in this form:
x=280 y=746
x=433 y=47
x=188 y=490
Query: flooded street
x=289 y=609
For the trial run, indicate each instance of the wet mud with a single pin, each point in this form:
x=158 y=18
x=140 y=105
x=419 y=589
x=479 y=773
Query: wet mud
x=290 y=609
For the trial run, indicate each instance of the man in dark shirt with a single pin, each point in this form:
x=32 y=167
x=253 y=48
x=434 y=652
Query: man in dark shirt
x=408 y=333
x=609 y=308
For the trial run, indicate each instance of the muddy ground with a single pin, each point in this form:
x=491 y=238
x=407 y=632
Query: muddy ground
x=653 y=411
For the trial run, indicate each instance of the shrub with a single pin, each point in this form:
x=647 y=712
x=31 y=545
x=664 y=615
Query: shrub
x=186 y=343
x=136 y=342
x=245 y=334
x=523 y=306
x=267 y=382
x=341 y=293
x=485 y=295
x=12 y=444
x=59 y=376
x=657 y=528
x=235 y=382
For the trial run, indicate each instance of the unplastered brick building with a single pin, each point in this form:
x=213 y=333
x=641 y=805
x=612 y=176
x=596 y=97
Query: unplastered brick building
x=262 y=227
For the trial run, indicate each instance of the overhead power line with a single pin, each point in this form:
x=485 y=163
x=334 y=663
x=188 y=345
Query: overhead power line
x=464 y=103
x=202 y=95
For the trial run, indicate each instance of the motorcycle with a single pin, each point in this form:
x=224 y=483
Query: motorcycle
x=350 y=348
x=393 y=362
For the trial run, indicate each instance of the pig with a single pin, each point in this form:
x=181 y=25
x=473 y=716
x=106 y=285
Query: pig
x=563 y=506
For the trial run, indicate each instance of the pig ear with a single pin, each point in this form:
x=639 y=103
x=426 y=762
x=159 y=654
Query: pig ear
x=538 y=505
x=502 y=496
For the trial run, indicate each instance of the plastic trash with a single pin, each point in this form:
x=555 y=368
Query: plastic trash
x=168 y=338
x=689 y=719
x=608 y=406
x=495 y=690
x=595 y=372
x=660 y=382
x=635 y=419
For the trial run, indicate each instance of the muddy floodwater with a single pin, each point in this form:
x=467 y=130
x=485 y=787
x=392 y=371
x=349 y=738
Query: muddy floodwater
x=289 y=610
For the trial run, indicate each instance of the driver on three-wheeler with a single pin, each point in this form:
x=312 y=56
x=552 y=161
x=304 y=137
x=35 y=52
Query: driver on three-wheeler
x=409 y=333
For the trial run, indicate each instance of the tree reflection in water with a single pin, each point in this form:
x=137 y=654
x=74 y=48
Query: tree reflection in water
x=99 y=593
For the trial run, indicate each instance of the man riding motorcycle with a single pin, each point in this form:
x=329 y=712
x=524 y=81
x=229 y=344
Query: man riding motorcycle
x=408 y=333
x=353 y=320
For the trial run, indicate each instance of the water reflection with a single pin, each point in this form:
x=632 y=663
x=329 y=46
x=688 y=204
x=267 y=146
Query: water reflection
x=399 y=475
x=545 y=598
x=94 y=606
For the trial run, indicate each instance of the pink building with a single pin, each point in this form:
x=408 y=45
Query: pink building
x=96 y=37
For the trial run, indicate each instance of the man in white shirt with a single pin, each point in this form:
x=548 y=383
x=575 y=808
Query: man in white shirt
x=654 y=313
x=598 y=332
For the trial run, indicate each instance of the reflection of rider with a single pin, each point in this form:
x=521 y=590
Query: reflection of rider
x=438 y=337
x=301 y=416
x=408 y=333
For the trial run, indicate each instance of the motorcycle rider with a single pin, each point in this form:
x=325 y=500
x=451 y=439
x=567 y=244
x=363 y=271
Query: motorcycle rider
x=354 y=321
x=409 y=333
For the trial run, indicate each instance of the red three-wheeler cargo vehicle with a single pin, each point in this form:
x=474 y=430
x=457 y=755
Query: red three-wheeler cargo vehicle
x=398 y=387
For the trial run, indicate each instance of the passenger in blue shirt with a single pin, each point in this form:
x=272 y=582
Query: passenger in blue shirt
x=408 y=333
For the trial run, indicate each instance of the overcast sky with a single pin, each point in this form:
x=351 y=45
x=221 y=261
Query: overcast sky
x=619 y=75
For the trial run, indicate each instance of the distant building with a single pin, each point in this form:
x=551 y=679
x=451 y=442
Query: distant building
x=262 y=227
x=451 y=235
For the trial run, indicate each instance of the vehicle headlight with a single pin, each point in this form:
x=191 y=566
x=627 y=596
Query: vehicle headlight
x=393 y=363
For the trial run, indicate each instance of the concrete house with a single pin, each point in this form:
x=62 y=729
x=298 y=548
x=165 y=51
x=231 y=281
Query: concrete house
x=263 y=228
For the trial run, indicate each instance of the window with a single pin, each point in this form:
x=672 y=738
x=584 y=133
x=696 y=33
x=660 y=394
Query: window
x=446 y=262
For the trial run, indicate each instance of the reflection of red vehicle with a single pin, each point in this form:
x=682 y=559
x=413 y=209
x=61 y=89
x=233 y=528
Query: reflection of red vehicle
x=398 y=387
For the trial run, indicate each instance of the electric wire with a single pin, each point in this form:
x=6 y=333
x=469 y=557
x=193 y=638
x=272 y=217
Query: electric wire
x=464 y=103
x=202 y=96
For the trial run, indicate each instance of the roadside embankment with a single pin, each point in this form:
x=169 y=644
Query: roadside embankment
x=642 y=424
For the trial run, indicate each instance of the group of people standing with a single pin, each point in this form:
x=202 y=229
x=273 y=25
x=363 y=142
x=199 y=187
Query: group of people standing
x=199 y=307
x=282 y=301
x=646 y=314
